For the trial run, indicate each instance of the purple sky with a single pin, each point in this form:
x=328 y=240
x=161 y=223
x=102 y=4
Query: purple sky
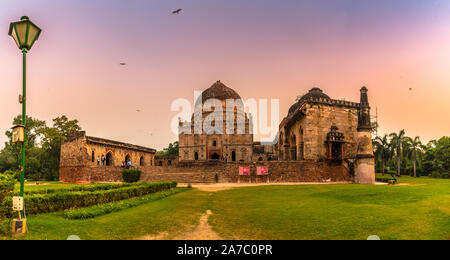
x=262 y=49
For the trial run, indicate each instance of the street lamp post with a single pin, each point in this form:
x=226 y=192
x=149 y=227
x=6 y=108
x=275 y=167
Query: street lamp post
x=25 y=33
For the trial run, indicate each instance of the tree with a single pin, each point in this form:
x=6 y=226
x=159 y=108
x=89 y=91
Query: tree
x=415 y=151
x=382 y=150
x=398 y=143
x=171 y=150
x=52 y=137
x=43 y=147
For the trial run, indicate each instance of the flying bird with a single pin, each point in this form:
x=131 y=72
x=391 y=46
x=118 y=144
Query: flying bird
x=138 y=110
x=177 y=11
x=122 y=64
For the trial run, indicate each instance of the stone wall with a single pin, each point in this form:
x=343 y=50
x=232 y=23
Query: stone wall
x=197 y=172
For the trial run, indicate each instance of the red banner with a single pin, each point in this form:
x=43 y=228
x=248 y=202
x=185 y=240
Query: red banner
x=245 y=171
x=262 y=170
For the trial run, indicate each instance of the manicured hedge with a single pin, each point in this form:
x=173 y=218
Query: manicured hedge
x=130 y=176
x=6 y=191
x=103 y=209
x=86 y=188
x=45 y=203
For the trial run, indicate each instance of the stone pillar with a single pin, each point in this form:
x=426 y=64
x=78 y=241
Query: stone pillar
x=365 y=159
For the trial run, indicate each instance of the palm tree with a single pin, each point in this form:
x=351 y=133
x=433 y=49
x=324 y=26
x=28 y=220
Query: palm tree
x=415 y=150
x=382 y=150
x=398 y=143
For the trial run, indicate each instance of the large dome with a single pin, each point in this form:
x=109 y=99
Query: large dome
x=313 y=93
x=219 y=91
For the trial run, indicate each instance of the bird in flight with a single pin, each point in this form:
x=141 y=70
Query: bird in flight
x=177 y=11
x=138 y=110
x=122 y=64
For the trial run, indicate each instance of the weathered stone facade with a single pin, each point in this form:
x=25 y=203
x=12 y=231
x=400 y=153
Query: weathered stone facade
x=82 y=154
x=223 y=143
x=212 y=172
x=321 y=139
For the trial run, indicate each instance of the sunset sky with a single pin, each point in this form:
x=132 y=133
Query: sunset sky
x=262 y=49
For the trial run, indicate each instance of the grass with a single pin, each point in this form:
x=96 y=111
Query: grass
x=175 y=214
x=418 y=210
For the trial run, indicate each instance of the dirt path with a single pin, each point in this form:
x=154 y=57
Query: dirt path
x=202 y=232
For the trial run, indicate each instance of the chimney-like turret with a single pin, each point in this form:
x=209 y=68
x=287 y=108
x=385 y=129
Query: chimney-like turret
x=365 y=162
x=364 y=112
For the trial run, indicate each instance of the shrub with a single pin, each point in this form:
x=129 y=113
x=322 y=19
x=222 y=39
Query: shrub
x=445 y=175
x=7 y=182
x=131 y=176
x=87 y=188
x=45 y=203
x=100 y=210
x=393 y=173
x=435 y=174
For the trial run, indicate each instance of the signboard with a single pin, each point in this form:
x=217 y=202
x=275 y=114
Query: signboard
x=244 y=171
x=262 y=170
x=17 y=203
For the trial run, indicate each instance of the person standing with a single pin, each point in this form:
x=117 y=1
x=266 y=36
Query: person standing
x=98 y=161
x=103 y=160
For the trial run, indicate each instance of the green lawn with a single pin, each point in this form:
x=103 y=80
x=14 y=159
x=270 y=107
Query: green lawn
x=31 y=186
x=418 y=210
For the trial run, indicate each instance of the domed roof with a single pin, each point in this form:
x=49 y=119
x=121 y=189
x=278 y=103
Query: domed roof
x=313 y=93
x=218 y=91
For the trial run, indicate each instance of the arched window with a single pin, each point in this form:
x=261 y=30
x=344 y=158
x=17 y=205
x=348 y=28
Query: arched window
x=233 y=156
x=151 y=162
x=196 y=156
x=141 y=161
x=127 y=159
x=215 y=143
x=93 y=156
x=109 y=159
x=160 y=163
x=169 y=162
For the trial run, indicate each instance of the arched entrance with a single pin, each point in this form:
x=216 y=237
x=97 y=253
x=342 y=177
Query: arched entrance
x=196 y=156
x=109 y=159
x=233 y=156
x=141 y=161
x=215 y=156
x=294 y=148
x=128 y=160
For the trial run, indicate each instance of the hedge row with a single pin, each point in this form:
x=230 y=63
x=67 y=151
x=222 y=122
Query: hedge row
x=86 y=188
x=100 y=210
x=46 y=203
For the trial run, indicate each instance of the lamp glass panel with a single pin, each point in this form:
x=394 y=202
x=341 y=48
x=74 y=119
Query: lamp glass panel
x=21 y=31
x=32 y=35
x=14 y=35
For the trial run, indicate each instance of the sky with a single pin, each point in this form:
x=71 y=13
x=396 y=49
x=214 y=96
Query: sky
x=275 y=49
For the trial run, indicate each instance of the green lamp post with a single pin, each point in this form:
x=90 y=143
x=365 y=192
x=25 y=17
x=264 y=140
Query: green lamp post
x=25 y=33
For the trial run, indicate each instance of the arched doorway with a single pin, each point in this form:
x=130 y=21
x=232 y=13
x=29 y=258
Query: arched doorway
x=109 y=159
x=294 y=148
x=196 y=156
x=215 y=156
x=141 y=161
x=128 y=159
x=233 y=156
